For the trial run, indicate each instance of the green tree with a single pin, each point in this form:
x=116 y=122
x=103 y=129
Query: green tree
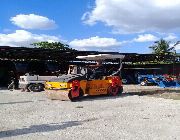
x=162 y=47
x=52 y=45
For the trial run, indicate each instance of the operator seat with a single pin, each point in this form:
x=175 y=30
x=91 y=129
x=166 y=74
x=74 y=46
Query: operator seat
x=98 y=73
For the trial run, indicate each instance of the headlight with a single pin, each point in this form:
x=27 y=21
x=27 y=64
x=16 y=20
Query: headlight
x=48 y=85
x=62 y=85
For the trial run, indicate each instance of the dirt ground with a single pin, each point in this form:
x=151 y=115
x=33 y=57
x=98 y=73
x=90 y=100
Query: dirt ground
x=134 y=115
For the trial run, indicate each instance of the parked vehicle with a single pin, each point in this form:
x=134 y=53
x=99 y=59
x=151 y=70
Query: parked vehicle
x=35 y=83
x=163 y=81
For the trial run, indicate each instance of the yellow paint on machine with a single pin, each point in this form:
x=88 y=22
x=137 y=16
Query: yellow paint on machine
x=97 y=87
x=58 y=85
x=90 y=87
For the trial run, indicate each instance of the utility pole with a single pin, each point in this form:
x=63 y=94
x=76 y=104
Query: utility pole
x=174 y=60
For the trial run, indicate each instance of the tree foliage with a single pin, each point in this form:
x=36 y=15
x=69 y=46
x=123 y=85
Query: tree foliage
x=52 y=45
x=162 y=47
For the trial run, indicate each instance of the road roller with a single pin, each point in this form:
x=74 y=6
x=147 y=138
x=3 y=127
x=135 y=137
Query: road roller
x=86 y=80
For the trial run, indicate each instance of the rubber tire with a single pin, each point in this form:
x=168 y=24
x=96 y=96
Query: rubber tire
x=81 y=94
x=120 y=90
x=143 y=83
x=35 y=87
x=11 y=86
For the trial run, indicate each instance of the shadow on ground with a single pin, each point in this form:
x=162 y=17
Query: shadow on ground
x=22 y=102
x=19 y=102
x=38 y=129
x=43 y=128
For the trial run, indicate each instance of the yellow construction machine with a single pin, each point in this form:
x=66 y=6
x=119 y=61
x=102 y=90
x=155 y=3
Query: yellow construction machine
x=86 y=80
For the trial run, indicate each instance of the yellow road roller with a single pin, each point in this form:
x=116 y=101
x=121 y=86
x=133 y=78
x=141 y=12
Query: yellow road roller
x=89 y=80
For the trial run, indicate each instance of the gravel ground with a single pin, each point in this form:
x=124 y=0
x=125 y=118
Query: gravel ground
x=32 y=116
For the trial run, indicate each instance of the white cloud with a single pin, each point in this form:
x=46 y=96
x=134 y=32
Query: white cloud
x=171 y=37
x=145 y=38
x=24 y=38
x=33 y=21
x=135 y=15
x=94 y=43
x=177 y=47
x=166 y=3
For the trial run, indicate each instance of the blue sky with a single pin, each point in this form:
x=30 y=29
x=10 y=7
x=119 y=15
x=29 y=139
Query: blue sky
x=103 y=25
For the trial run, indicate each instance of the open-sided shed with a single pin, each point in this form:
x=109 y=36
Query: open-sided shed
x=64 y=58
